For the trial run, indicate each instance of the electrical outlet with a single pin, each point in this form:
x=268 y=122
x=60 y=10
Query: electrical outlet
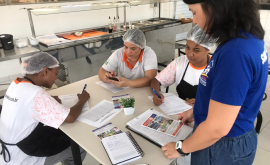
x=153 y=5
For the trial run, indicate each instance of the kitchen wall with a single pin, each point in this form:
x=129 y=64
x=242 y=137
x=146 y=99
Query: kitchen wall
x=15 y=21
x=265 y=21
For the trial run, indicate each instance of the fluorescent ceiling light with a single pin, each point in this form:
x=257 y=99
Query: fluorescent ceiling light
x=46 y=9
x=106 y=3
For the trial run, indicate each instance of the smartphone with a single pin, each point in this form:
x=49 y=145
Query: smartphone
x=113 y=78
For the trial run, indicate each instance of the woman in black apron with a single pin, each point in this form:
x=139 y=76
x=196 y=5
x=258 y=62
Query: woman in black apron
x=43 y=141
x=197 y=55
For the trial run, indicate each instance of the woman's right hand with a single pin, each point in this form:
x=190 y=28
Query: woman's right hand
x=186 y=117
x=111 y=74
x=83 y=97
x=157 y=101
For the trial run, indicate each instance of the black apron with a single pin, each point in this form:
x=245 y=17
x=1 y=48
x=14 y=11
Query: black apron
x=185 y=90
x=43 y=141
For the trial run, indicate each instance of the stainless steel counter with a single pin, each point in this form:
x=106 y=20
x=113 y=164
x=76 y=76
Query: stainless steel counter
x=144 y=25
x=18 y=53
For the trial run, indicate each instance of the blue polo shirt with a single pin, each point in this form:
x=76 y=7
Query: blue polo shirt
x=235 y=75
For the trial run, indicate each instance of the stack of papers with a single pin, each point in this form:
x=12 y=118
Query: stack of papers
x=99 y=114
x=172 y=104
x=110 y=87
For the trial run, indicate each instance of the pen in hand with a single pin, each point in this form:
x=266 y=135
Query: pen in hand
x=111 y=73
x=156 y=93
x=84 y=87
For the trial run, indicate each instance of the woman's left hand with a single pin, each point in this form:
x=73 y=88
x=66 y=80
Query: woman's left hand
x=169 y=151
x=57 y=99
x=191 y=102
x=121 y=83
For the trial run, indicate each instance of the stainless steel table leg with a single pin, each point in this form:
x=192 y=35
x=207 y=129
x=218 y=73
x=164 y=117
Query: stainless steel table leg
x=76 y=152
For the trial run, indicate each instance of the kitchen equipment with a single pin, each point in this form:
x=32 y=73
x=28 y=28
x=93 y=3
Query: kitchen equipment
x=78 y=34
x=21 y=42
x=33 y=41
x=7 y=41
x=186 y=20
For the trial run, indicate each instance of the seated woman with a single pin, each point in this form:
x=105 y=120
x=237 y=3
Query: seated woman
x=185 y=71
x=27 y=108
x=136 y=62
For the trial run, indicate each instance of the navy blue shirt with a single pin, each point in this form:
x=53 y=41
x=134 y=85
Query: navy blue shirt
x=235 y=75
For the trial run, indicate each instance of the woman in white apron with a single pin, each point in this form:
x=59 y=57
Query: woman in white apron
x=27 y=108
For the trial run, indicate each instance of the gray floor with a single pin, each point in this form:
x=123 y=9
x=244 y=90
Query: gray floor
x=80 y=69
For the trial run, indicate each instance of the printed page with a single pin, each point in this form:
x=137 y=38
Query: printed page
x=70 y=100
x=99 y=114
x=163 y=124
x=160 y=138
x=110 y=87
x=172 y=104
x=119 y=148
x=117 y=100
x=106 y=130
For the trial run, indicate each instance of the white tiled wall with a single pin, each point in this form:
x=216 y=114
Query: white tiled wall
x=265 y=21
x=167 y=10
x=15 y=21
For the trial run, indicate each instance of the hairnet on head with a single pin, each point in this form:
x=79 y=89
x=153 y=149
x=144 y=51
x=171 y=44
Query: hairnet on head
x=136 y=37
x=38 y=62
x=197 y=35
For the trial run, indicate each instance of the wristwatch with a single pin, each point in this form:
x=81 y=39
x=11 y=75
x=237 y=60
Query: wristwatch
x=178 y=147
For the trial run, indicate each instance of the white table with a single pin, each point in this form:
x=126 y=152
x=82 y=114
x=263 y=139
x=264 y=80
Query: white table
x=82 y=134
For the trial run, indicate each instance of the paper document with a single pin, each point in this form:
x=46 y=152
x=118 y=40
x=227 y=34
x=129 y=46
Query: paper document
x=158 y=137
x=163 y=124
x=110 y=87
x=172 y=104
x=106 y=130
x=120 y=148
x=99 y=114
x=70 y=100
x=117 y=102
x=51 y=39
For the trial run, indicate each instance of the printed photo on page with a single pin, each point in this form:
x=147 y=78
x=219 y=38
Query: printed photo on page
x=163 y=124
x=117 y=100
x=106 y=130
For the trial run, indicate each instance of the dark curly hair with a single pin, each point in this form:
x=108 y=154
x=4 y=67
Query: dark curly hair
x=228 y=19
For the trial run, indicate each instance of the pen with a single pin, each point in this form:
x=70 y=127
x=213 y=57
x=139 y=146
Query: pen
x=110 y=73
x=156 y=93
x=84 y=87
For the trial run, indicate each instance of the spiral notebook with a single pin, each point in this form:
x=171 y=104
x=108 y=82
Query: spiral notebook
x=122 y=148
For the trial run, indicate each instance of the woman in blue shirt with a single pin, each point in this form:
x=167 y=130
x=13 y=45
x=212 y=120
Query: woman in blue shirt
x=230 y=88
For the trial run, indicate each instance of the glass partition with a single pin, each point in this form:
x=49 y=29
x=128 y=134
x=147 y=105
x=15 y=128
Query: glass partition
x=94 y=5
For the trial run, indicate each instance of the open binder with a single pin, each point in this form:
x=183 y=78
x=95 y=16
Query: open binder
x=122 y=148
x=157 y=138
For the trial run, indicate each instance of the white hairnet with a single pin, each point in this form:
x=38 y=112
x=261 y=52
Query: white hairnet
x=136 y=37
x=38 y=62
x=197 y=35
